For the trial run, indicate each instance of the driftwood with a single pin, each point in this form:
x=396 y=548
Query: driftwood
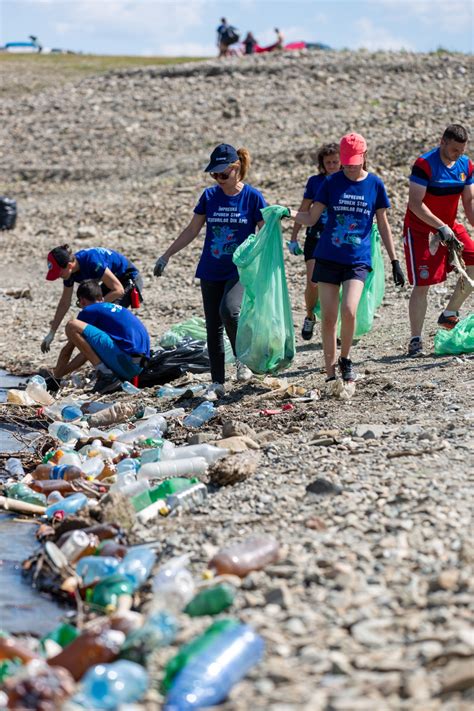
x=24 y=293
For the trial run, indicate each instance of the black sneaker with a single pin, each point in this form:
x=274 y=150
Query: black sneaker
x=448 y=322
x=106 y=383
x=347 y=369
x=415 y=347
x=308 y=327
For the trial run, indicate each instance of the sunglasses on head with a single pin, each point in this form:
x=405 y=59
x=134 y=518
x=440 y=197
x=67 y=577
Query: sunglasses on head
x=221 y=176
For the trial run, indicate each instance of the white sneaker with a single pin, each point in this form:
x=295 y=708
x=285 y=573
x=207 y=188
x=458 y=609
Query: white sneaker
x=215 y=391
x=244 y=374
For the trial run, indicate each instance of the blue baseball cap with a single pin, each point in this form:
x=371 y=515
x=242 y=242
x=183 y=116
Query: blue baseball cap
x=221 y=158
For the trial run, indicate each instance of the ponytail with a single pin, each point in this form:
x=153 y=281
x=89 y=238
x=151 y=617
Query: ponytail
x=244 y=162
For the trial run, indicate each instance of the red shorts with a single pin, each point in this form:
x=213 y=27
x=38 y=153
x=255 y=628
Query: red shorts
x=425 y=268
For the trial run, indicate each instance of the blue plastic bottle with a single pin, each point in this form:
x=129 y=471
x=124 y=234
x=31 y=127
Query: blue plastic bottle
x=137 y=565
x=93 y=568
x=201 y=414
x=71 y=413
x=127 y=387
x=107 y=686
x=158 y=631
x=70 y=505
x=209 y=676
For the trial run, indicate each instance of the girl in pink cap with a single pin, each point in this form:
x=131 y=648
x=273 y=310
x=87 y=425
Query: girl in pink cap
x=352 y=197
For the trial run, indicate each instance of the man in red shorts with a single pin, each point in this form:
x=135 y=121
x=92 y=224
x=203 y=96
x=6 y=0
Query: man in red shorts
x=437 y=181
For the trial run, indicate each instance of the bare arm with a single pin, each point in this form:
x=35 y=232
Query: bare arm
x=310 y=217
x=304 y=207
x=111 y=282
x=467 y=197
x=187 y=235
x=62 y=307
x=385 y=232
x=416 y=194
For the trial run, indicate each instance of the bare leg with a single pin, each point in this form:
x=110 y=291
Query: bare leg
x=329 y=297
x=351 y=293
x=311 y=291
x=74 y=331
x=417 y=309
x=459 y=296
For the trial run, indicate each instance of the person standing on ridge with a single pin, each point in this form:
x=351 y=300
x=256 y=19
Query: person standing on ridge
x=231 y=211
x=121 y=280
x=352 y=197
x=438 y=179
x=328 y=163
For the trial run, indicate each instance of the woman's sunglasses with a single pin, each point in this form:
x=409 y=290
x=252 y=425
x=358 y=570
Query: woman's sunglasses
x=222 y=176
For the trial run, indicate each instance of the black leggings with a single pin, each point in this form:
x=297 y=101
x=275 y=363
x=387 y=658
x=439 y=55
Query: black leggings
x=221 y=300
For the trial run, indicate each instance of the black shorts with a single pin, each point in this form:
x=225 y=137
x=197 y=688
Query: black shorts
x=337 y=273
x=312 y=239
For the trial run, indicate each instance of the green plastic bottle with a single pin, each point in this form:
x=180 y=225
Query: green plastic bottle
x=211 y=601
x=62 y=635
x=189 y=650
x=22 y=492
x=151 y=443
x=164 y=489
x=106 y=594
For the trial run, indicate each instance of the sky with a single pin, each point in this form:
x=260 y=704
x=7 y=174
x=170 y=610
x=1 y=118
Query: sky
x=187 y=27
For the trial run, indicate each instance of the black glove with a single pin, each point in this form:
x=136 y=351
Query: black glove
x=448 y=237
x=160 y=265
x=398 y=275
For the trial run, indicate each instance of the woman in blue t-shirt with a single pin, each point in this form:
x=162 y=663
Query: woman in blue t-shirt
x=230 y=209
x=328 y=163
x=120 y=279
x=352 y=197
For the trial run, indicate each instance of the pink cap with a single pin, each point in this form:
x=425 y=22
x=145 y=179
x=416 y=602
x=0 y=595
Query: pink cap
x=352 y=148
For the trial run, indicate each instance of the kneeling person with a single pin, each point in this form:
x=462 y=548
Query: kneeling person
x=107 y=335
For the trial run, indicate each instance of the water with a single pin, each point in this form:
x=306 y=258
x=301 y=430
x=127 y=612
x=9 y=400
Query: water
x=22 y=608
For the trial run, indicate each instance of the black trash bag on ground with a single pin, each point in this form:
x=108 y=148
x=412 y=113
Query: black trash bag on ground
x=8 y=213
x=167 y=364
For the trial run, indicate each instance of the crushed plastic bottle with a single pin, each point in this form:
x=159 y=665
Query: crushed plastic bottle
x=109 y=686
x=137 y=565
x=119 y=412
x=14 y=467
x=200 y=415
x=187 y=499
x=93 y=568
x=36 y=389
x=22 y=492
x=240 y=558
x=173 y=585
x=210 y=675
x=159 y=630
x=70 y=505
x=66 y=433
x=211 y=601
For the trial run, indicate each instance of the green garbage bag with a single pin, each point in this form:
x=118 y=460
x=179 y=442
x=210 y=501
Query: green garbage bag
x=194 y=327
x=459 y=340
x=265 y=336
x=373 y=293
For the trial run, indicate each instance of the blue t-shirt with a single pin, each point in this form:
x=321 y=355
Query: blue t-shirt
x=120 y=324
x=351 y=207
x=230 y=219
x=310 y=192
x=94 y=261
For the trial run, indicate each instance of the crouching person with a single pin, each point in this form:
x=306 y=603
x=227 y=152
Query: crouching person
x=108 y=336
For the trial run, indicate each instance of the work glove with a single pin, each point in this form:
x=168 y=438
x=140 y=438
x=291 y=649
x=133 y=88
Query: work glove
x=397 y=273
x=294 y=248
x=448 y=237
x=46 y=342
x=160 y=265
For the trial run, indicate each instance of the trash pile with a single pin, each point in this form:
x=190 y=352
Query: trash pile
x=113 y=468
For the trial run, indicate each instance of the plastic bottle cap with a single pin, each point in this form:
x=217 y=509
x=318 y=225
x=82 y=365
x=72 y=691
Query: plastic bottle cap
x=59 y=515
x=208 y=574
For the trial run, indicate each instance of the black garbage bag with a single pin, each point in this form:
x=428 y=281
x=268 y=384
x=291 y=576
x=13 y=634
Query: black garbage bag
x=167 y=364
x=8 y=213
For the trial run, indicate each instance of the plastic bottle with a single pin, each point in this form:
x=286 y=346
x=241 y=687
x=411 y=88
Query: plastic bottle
x=36 y=389
x=200 y=415
x=149 y=456
x=211 y=601
x=94 y=646
x=160 y=492
x=20 y=397
x=70 y=413
x=108 y=593
x=173 y=468
x=39 y=686
x=154 y=427
x=111 y=548
x=79 y=544
x=119 y=412
x=71 y=505
x=22 y=492
x=103 y=531
x=210 y=453
x=159 y=630
x=109 y=686
x=66 y=433
x=93 y=568
x=133 y=488
x=130 y=389
x=93 y=467
x=54 y=497
x=62 y=635
x=11 y=648
x=187 y=499
x=169 y=391
x=173 y=585
x=210 y=674
x=62 y=472
x=253 y=553
x=14 y=467
x=129 y=465
x=190 y=650
x=71 y=458
x=48 y=487
x=137 y=565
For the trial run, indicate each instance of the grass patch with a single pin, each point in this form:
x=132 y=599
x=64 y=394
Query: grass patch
x=26 y=74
